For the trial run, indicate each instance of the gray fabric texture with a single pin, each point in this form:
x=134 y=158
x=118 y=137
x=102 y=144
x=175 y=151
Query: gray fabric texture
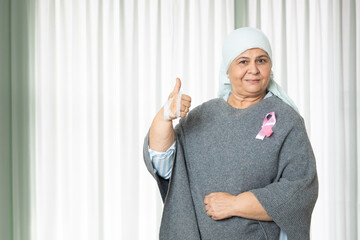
x=217 y=151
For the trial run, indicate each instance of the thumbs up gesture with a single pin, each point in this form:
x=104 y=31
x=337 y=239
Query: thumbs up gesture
x=178 y=104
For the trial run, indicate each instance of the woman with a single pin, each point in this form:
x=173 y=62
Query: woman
x=236 y=167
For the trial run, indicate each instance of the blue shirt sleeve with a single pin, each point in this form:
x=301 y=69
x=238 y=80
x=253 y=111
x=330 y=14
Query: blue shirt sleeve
x=163 y=161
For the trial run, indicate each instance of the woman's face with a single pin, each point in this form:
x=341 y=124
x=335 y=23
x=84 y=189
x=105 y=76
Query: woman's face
x=249 y=73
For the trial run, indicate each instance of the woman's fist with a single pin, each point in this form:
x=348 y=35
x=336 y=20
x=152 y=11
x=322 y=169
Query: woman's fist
x=178 y=104
x=220 y=205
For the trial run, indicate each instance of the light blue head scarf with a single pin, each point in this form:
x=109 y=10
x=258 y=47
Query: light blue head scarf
x=237 y=42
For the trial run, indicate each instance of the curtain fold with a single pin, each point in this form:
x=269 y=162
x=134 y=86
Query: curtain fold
x=23 y=118
x=316 y=59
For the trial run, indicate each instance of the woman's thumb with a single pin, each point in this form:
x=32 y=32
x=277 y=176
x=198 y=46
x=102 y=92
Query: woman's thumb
x=177 y=85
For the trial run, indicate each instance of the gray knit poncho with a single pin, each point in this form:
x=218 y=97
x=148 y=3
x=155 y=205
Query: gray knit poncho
x=217 y=151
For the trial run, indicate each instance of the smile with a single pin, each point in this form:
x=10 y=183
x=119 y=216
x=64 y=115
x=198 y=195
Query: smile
x=252 y=80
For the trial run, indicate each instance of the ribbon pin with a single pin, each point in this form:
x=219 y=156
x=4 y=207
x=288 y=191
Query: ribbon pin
x=266 y=129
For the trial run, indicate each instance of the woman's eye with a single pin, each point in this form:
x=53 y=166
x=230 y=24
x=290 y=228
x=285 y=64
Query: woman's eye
x=243 y=62
x=262 y=60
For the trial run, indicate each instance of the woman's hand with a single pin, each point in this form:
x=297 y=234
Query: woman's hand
x=185 y=101
x=162 y=135
x=220 y=205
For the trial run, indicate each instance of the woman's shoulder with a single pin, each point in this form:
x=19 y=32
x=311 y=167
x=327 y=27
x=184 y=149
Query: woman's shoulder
x=285 y=107
x=284 y=111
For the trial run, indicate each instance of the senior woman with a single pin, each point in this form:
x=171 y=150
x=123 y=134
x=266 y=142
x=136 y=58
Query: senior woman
x=239 y=166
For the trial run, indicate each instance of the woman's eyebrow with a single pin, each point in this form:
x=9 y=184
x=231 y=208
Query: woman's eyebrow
x=262 y=56
x=242 y=57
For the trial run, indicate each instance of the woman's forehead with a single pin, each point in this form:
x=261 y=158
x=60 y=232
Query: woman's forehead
x=253 y=52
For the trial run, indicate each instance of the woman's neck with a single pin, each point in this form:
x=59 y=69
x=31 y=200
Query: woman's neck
x=241 y=102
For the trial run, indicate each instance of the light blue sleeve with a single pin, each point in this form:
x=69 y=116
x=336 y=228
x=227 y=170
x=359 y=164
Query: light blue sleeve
x=283 y=236
x=163 y=161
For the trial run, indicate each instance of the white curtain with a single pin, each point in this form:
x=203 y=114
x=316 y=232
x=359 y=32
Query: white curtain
x=102 y=71
x=316 y=49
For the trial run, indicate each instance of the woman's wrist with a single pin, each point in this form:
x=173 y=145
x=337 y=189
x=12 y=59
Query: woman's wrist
x=240 y=205
x=161 y=134
x=248 y=206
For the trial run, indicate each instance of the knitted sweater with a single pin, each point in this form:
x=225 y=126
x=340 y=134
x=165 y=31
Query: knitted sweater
x=217 y=152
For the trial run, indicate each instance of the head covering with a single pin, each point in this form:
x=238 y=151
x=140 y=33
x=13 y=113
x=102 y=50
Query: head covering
x=237 y=42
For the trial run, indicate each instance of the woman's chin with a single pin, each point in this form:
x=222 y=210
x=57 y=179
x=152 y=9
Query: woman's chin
x=253 y=91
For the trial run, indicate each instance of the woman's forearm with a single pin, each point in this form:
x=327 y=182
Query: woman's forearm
x=248 y=206
x=161 y=135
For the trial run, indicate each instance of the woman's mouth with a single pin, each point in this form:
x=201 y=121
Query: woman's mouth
x=252 y=81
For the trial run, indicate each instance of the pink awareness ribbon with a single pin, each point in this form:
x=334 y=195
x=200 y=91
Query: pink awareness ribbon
x=266 y=129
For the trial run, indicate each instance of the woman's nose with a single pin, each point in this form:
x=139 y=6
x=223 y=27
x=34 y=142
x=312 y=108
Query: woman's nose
x=253 y=69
